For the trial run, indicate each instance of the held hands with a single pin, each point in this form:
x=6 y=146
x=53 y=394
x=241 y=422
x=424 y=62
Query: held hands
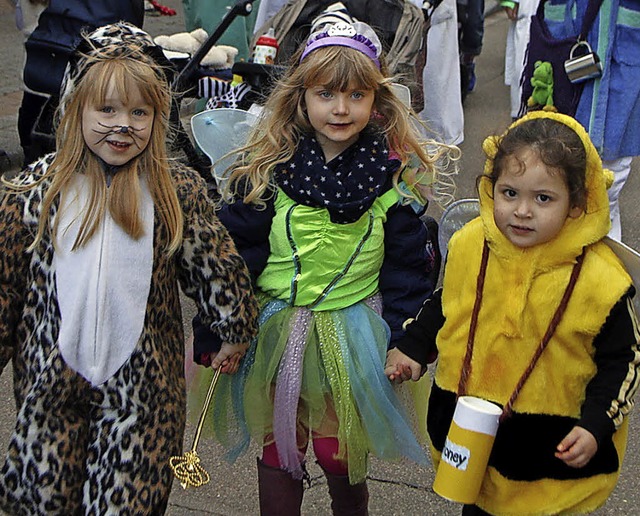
x=577 y=448
x=400 y=367
x=228 y=358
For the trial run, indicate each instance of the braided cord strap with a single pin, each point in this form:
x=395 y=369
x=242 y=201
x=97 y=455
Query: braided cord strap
x=465 y=373
x=555 y=320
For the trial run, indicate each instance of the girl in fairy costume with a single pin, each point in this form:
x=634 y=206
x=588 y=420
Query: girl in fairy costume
x=322 y=210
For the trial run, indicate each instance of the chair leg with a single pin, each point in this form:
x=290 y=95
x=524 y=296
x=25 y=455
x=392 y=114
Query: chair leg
x=279 y=493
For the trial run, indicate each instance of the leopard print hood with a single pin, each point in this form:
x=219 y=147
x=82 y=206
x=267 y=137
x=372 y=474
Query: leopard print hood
x=117 y=40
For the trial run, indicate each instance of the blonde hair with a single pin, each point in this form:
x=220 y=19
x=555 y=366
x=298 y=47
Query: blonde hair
x=122 y=198
x=275 y=137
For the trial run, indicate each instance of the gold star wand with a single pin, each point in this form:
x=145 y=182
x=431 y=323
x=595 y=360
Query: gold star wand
x=187 y=468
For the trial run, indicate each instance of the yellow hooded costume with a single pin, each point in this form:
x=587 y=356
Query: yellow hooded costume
x=523 y=288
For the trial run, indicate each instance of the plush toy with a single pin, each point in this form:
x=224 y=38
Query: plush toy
x=542 y=82
x=219 y=57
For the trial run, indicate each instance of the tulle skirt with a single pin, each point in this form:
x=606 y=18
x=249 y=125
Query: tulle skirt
x=321 y=372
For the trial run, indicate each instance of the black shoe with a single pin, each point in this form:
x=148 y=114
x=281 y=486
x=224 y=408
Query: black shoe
x=472 y=76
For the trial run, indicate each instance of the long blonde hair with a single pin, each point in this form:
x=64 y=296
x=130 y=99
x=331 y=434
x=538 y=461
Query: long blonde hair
x=125 y=71
x=275 y=137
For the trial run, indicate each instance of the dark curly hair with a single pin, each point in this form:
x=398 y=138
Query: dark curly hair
x=557 y=145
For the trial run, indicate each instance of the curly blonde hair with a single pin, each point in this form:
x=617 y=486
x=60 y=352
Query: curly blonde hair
x=275 y=137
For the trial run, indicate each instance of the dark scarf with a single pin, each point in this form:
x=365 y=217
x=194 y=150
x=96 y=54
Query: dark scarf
x=346 y=186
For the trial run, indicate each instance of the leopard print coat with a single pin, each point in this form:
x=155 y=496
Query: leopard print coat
x=105 y=449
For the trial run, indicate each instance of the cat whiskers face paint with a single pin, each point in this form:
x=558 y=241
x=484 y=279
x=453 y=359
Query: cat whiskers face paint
x=134 y=132
x=118 y=128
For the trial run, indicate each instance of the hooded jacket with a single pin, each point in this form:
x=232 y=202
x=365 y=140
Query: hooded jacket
x=586 y=376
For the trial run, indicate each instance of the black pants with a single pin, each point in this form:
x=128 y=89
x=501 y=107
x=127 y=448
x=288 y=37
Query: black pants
x=28 y=115
x=471 y=22
x=473 y=510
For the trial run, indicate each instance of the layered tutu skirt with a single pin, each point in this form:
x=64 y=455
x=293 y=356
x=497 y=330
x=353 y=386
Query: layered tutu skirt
x=321 y=372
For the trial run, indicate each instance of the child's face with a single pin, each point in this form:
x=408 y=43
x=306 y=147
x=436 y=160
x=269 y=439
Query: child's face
x=531 y=205
x=338 y=117
x=118 y=131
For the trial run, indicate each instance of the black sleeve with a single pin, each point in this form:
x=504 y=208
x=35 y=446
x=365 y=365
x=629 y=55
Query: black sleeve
x=249 y=228
x=419 y=340
x=410 y=268
x=609 y=394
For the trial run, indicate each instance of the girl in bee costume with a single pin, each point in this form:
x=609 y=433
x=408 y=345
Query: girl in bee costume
x=535 y=315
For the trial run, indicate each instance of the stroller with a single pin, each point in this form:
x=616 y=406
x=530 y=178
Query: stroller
x=59 y=35
x=188 y=83
x=401 y=26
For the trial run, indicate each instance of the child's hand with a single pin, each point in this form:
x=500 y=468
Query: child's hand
x=228 y=358
x=577 y=448
x=400 y=367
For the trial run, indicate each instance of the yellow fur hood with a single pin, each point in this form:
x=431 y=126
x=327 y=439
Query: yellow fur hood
x=590 y=227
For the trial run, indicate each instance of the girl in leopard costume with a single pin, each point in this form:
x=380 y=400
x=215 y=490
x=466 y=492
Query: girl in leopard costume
x=95 y=241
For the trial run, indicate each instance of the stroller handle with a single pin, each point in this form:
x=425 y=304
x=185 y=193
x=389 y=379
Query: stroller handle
x=240 y=8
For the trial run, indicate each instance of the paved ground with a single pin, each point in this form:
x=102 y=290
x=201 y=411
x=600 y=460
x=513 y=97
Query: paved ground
x=395 y=488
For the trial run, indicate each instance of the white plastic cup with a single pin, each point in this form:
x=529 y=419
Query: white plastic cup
x=466 y=451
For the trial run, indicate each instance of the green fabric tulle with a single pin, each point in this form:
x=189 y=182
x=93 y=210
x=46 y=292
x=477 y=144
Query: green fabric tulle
x=344 y=392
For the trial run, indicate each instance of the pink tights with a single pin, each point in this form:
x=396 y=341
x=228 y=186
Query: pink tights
x=325 y=449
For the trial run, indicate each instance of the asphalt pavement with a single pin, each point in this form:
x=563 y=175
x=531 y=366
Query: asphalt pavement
x=394 y=488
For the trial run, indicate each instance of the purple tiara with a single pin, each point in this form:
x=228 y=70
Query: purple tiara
x=343 y=35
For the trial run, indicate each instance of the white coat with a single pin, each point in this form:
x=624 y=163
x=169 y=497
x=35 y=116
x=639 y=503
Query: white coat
x=442 y=111
x=517 y=41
